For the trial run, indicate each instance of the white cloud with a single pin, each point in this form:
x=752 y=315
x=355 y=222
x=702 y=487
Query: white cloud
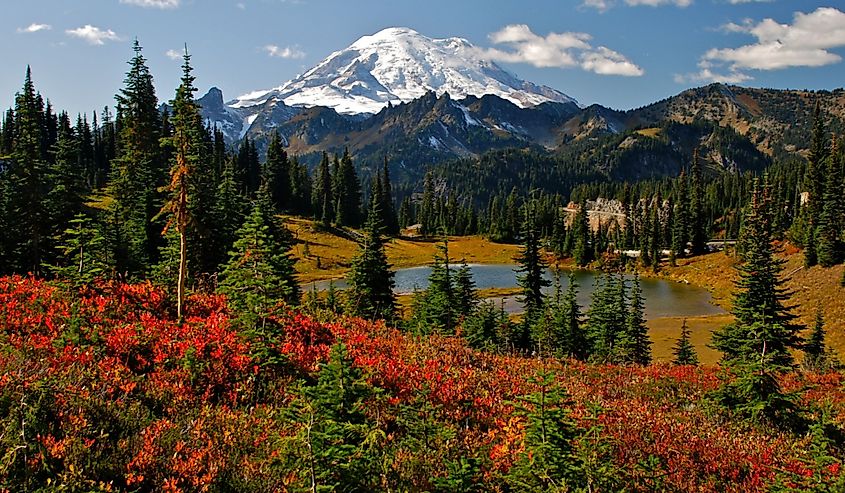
x=737 y=2
x=284 y=52
x=173 y=54
x=605 y=5
x=804 y=43
x=658 y=3
x=93 y=35
x=34 y=28
x=156 y=4
x=600 y=5
x=561 y=50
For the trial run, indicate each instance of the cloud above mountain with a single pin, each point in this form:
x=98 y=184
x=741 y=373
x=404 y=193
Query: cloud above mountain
x=560 y=50
x=806 y=42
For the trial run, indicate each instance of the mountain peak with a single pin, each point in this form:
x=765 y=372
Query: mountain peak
x=397 y=65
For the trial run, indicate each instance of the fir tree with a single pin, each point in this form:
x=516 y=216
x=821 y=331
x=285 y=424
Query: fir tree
x=370 y=293
x=81 y=255
x=569 y=339
x=814 y=183
x=531 y=275
x=322 y=197
x=466 y=296
x=680 y=230
x=228 y=213
x=582 y=250
x=815 y=350
x=388 y=207
x=28 y=184
x=347 y=193
x=828 y=241
x=756 y=347
x=634 y=345
x=435 y=308
x=763 y=324
x=483 y=326
x=406 y=217
x=606 y=318
x=139 y=170
x=426 y=217
x=259 y=274
x=548 y=461
x=340 y=443
x=698 y=226
x=277 y=173
x=65 y=199
x=187 y=144
x=300 y=201
x=683 y=350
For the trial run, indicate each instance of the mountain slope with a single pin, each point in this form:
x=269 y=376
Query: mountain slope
x=398 y=65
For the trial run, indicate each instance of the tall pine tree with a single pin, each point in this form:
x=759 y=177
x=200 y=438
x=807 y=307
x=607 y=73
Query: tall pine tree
x=371 y=281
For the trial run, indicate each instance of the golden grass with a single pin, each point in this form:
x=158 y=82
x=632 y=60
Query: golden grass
x=330 y=254
x=649 y=132
x=664 y=333
x=810 y=288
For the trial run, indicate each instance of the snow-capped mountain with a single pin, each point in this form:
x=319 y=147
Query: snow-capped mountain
x=399 y=65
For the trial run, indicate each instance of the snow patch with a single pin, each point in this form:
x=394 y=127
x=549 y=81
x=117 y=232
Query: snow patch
x=247 y=123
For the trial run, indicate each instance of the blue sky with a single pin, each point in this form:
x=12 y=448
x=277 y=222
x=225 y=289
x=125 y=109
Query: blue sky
x=620 y=53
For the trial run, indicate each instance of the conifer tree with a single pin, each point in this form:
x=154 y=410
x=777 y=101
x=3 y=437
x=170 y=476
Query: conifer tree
x=683 y=350
x=322 y=197
x=139 y=170
x=277 y=173
x=654 y=242
x=65 y=199
x=829 y=246
x=698 y=226
x=548 y=461
x=371 y=281
x=187 y=144
x=81 y=254
x=531 y=275
x=582 y=250
x=301 y=188
x=569 y=338
x=259 y=274
x=763 y=326
x=814 y=183
x=815 y=350
x=435 y=308
x=28 y=184
x=249 y=166
x=406 y=217
x=466 y=296
x=347 y=193
x=387 y=205
x=426 y=215
x=680 y=231
x=606 y=318
x=228 y=213
x=483 y=326
x=340 y=447
x=634 y=345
